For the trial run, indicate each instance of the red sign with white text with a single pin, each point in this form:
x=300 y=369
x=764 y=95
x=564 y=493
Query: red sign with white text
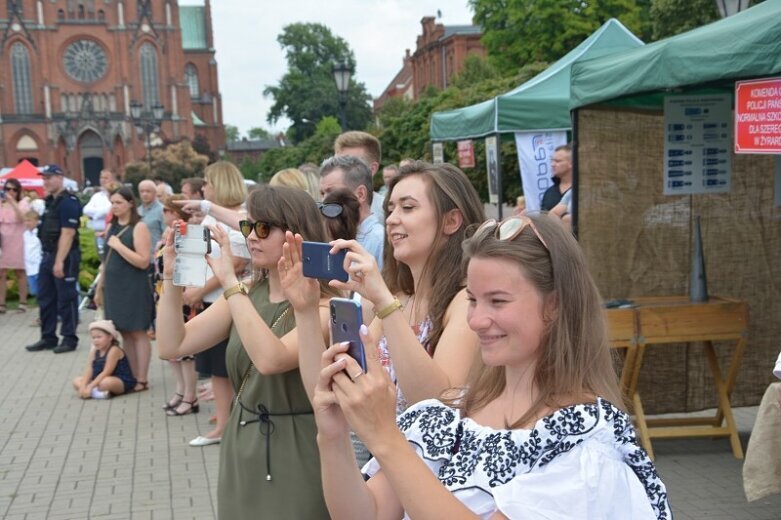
x=466 y=154
x=758 y=116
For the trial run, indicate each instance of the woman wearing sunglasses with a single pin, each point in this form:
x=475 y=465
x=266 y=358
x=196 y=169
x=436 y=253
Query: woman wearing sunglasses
x=537 y=432
x=269 y=465
x=12 y=210
x=342 y=214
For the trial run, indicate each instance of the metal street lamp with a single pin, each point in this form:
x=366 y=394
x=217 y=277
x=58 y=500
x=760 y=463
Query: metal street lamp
x=342 y=72
x=147 y=122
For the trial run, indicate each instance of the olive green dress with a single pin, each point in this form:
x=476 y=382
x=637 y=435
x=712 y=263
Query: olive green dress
x=269 y=462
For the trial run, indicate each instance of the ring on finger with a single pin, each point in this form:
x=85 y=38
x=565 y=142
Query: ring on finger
x=359 y=274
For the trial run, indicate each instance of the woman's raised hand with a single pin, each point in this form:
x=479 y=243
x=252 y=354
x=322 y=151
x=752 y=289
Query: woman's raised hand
x=365 y=276
x=367 y=400
x=222 y=267
x=303 y=293
x=193 y=207
x=169 y=253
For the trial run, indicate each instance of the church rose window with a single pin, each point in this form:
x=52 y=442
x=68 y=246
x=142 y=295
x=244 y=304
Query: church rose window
x=85 y=61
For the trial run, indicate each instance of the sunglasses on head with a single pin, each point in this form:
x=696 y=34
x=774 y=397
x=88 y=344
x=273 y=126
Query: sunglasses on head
x=330 y=209
x=262 y=229
x=509 y=228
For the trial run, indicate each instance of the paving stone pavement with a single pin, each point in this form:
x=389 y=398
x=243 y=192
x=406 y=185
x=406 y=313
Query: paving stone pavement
x=65 y=458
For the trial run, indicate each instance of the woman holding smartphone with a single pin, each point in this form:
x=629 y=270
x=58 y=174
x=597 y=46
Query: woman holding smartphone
x=12 y=210
x=269 y=464
x=538 y=431
x=418 y=303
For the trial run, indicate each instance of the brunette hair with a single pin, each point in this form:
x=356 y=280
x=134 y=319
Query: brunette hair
x=574 y=358
x=228 y=183
x=168 y=203
x=196 y=184
x=127 y=194
x=443 y=276
x=16 y=184
x=289 y=209
x=345 y=225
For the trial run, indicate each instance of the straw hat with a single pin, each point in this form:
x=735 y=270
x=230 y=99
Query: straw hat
x=106 y=326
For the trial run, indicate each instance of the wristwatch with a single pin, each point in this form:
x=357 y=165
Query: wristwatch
x=236 y=289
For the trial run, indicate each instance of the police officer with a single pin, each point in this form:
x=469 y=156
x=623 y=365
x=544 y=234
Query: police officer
x=58 y=275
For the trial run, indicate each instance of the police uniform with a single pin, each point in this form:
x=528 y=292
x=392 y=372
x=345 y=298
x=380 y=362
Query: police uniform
x=59 y=296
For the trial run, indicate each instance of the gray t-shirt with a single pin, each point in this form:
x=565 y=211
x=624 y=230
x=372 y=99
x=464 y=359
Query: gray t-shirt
x=152 y=216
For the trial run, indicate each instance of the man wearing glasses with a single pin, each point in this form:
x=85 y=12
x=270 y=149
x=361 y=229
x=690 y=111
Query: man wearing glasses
x=57 y=293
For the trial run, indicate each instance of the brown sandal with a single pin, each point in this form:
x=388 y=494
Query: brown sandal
x=144 y=386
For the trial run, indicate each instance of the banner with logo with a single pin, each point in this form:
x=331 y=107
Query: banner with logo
x=439 y=153
x=492 y=168
x=535 y=151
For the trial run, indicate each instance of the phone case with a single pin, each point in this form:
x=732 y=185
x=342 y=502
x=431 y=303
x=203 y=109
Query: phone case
x=346 y=321
x=319 y=263
x=192 y=243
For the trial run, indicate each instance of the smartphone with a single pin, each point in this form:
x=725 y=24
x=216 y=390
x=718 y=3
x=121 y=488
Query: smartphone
x=346 y=321
x=319 y=263
x=192 y=243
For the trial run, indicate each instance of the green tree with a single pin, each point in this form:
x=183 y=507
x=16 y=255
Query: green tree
x=405 y=125
x=231 y=133
x=173 y=163
x=307 y=92
x=517 y=32
x=259 y=133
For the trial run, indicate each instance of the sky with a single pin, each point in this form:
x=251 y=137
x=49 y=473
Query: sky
x=249 y=57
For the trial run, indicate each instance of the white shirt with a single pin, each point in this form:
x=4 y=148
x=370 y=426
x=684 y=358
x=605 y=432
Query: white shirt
x=581 y=461
x=32 y=252
x=238 y=248
x=96 y=209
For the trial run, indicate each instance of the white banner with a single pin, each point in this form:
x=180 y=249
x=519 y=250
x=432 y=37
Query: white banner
x=535 y=151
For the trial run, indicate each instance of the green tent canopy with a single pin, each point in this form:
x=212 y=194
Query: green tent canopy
x=744 y=45
x=542 y=103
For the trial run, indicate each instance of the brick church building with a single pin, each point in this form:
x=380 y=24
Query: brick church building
x=71 y=71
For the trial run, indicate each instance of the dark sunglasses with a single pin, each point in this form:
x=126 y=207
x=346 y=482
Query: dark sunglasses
x=11 y=188
x=330 y=209
x=262 y=229
x=509 y=228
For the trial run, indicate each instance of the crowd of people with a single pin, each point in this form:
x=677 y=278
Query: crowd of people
x=488 y=390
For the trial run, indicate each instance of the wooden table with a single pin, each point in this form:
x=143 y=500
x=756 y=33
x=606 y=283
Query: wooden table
x=674 y=319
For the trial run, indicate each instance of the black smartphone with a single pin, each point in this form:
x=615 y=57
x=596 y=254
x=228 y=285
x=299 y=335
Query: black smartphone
x=346 y=321
x=319 y=263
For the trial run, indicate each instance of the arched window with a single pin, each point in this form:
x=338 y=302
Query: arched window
x=149 y=82
x=20 y=67
x=191 y=77
x=60 y=15
x=101 y=15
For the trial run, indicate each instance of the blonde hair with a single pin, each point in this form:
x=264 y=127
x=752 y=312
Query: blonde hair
x=290 y=177
x=574 y=361
x=227 y=183
x=354 y=139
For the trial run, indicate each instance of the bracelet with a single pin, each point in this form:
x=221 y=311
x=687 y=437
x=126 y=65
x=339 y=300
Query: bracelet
x=206 y=207
x=386 y=311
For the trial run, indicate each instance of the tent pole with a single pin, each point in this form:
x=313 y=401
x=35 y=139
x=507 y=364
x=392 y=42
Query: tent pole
x=499 y=187
x=575 y=174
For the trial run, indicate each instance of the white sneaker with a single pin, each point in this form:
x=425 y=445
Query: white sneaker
x=201 y=441
x=99 y=394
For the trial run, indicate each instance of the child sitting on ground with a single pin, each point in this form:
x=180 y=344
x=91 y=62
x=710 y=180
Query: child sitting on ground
x=108 y=371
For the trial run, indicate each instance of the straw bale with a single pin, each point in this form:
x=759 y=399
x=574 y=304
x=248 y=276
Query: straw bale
x=638 y=242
